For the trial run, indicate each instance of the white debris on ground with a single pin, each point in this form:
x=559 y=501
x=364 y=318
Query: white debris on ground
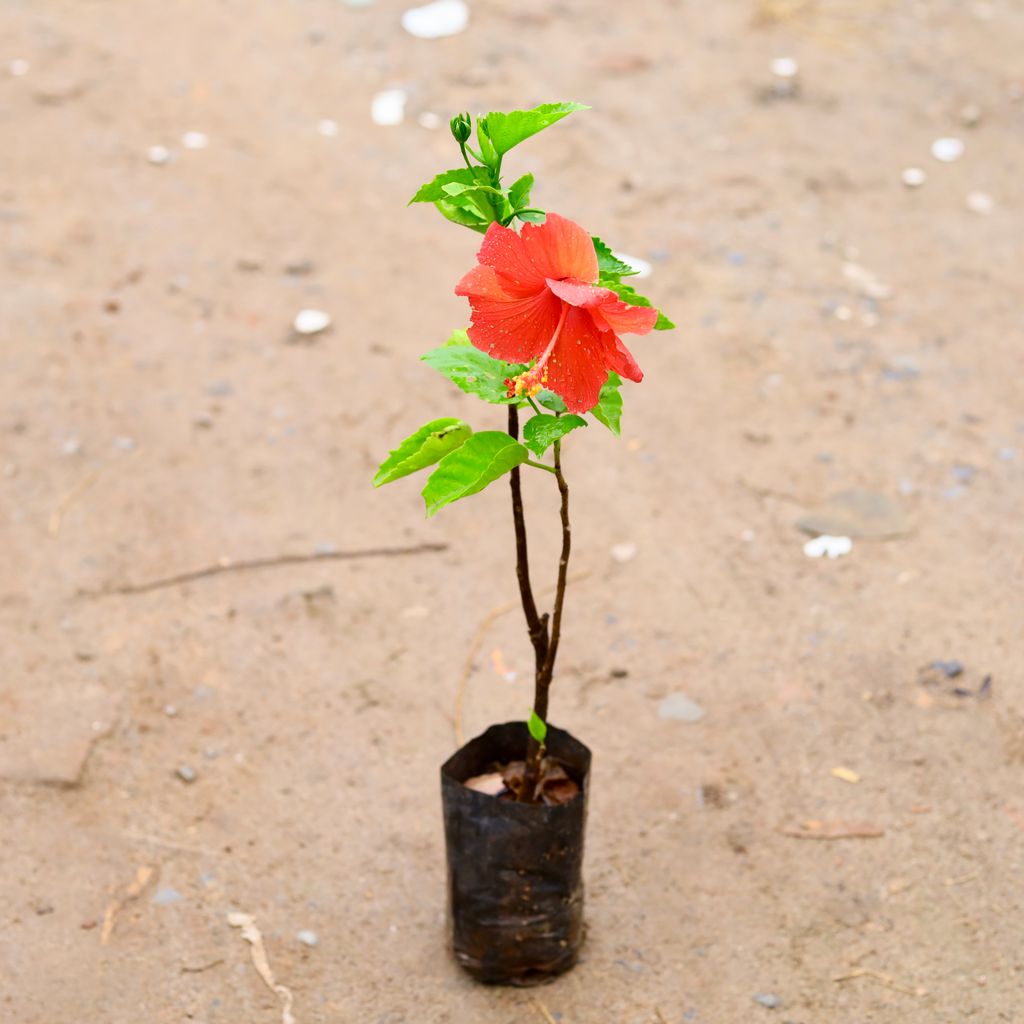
x=327 y=128
x=311 y=321
x=828 y=547
x=624 y=552
x=388 y=107
x=980 y=202
x=947 y=150
x=158 y=155
x=252 y=935
x=784 y=67
x=195 y=140
x=913 y=177
x=436 y=20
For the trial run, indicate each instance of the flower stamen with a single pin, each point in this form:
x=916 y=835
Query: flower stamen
x=536 y=377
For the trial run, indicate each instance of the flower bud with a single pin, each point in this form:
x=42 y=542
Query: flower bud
x=462 y=128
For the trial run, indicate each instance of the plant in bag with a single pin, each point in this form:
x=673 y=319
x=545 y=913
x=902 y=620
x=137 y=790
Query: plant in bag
x=548 y=305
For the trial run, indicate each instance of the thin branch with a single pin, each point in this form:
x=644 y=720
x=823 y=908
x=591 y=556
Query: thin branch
x=546 y=671
x=563 y=570
x=536 y=624
x=221 y=568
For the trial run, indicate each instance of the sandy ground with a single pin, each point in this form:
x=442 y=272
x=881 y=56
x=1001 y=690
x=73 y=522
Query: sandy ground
x=157 y=417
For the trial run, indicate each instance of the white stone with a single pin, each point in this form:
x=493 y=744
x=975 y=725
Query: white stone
x=913 y=177
x=784 y=67
x=158 y=155
x=436 y=20
x=678 y=707
x=624 y=552
x=429 y=120
x=311 y=321
x=388 y=107
x=828 y=546
x=328 y=128
x=947 y=150
x=980 y=202
x=195 y=140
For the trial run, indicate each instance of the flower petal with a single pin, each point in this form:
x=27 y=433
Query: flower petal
x=503 y=250
x=611 y=313
x=579 y=364
x=622 y=362
x=560 y=248
x=514 y=329
x=576 y=293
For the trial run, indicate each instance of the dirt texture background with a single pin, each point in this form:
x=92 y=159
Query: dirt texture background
x=157 y=416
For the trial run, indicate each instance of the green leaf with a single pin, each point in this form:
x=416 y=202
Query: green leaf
x=489 y=202
x=519 y=193
x=537 y=726
x=434 y=190
x=431 y=443
x=541 y=432
x=608 y=263
x=629 y=294
x=481 y=460
x=473 y=371
x=531 y=216
x=609 y=404
x=507 y=130
x=487 y=150
x=551 y=401
x=468 y=218
x=458 y=337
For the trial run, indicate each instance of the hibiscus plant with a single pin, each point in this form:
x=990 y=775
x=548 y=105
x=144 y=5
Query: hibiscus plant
x=548 y=303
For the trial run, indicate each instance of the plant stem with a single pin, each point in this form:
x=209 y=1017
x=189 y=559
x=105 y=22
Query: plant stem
x=546 y=669
x=536 y=624
x=538 y=465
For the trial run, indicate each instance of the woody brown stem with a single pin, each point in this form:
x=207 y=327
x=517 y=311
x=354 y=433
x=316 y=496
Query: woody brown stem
x=546 y=669
x=536 y=624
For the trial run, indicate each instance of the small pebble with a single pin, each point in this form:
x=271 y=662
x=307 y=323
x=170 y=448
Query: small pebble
x=195 y=140
x=311 y=321
x=299 y=268
x=170 y=711
x=784 y=67
x=166 y=896
x=72 y=446
x=677 y=707
x=768 y=1000
x=158 y=155
x=913 y=177
x=186 y=773
x=624 y=552
x=965 y=474
x=947 y=150
x=308 y=938
x=124 y=443
x=980 y=202
x=436 y=20
x=970 y=114
x=831 y=547
x=950 y=669
x=388 y=107
x=429 y=120
x=18 y=67
x=328 y=128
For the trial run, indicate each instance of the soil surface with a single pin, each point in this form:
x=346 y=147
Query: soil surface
x=267 y=741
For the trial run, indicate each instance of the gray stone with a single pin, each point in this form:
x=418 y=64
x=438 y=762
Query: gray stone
x=308 y=938
x=186 y=773
x=768 y=1000
x=167 y=895
x=865 y=515
x=677 y=707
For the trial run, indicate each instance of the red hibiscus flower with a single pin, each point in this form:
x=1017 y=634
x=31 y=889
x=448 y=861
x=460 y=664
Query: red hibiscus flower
x=534 y=297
